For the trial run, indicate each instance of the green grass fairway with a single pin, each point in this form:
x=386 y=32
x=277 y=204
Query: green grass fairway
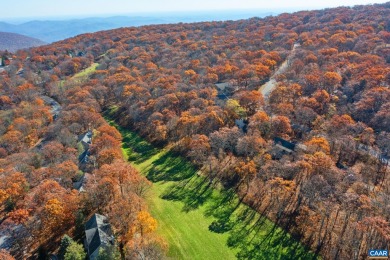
x=200 y=220
x=187 y=233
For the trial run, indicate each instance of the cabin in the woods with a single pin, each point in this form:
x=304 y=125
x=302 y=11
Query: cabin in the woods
x=282 y=147
x=98 y=235
x=83 y=157
x=79 y=185
x=222 y=86
x=284 y=144
x=85 y=140
x=225 y=90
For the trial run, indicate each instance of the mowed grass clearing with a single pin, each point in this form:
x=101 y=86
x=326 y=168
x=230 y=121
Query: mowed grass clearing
x=200 y=220
x=80 y=76
x=186 y=232
x=86 y=72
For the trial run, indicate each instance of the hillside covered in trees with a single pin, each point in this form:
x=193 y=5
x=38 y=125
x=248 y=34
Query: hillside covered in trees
x=13 y=42
x=312 y=156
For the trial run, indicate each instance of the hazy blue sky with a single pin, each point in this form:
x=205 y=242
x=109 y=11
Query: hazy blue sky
x=57 y=8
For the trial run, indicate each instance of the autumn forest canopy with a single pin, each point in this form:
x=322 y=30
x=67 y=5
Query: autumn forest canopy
x=311 y=154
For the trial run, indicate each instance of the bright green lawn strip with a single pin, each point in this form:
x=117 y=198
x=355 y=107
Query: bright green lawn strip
x=86 y=72
x=187 y=207
x=81 y=75
x=186 y=232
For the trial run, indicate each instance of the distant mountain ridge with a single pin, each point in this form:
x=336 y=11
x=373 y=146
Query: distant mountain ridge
x=51 y=31
x=13 y=41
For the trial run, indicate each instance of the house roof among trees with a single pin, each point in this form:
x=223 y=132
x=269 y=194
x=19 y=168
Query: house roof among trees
x=98 y=234
x=87 y=137
x=222 y=86
x=284 y=143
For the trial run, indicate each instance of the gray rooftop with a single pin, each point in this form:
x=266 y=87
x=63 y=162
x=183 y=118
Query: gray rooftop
x=98 y=235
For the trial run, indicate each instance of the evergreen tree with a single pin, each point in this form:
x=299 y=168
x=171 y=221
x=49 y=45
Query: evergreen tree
x=65 y=242
x=75 y=252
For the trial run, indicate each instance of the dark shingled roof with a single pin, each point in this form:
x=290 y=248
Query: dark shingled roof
x=86 y=138
x=284 y=143
x=98 y=234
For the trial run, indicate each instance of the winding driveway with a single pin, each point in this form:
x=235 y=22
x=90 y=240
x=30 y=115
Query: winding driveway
x=268 y=87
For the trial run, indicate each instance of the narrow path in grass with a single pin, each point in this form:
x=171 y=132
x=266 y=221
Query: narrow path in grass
x=200 y=221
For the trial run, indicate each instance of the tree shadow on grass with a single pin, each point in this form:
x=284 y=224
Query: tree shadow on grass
x=170 y=168
x=222 y=209
x=193 y=192
x=271 y=243
x=187 y=186
x=137 y=149
x=254 y=236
